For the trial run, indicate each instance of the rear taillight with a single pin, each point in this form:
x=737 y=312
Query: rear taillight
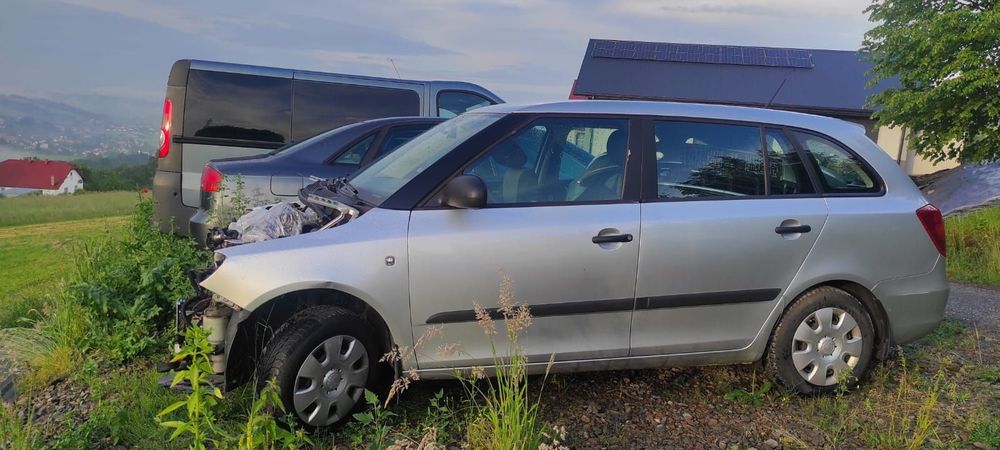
x=168 y=109
x=930 y=218
x=211 y=179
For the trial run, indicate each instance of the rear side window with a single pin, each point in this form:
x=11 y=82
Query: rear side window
x=785 y=171
x=397 y=136
x=704 y=160
x=237 y=106
x=320 y=106
x=839 y=170
x=453 y=103
x=356 y=152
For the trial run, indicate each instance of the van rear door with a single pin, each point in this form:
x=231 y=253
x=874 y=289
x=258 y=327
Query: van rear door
x=231 y=114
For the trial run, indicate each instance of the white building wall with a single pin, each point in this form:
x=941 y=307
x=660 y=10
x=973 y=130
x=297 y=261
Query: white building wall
x=891 y=140
x=70 y=185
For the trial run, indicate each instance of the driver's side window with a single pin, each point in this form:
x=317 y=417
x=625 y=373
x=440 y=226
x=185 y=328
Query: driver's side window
x=555 y=160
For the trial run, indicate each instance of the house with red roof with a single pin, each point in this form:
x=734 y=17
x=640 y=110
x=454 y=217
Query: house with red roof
x=22 y=176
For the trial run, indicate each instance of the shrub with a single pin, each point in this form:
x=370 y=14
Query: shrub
x=129 y=282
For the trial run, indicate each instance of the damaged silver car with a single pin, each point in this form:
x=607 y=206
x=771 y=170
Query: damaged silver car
x=639 y=234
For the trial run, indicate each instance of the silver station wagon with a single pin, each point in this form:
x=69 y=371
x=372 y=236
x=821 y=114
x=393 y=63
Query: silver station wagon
x=640 y=235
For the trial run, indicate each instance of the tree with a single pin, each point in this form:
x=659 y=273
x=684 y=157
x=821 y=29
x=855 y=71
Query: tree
x=946 y=55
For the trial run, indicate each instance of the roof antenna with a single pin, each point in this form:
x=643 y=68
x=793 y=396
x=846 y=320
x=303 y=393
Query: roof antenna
x=394 y=68
x=776 y=91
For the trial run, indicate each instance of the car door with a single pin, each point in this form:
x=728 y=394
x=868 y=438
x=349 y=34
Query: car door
x=721 y=236
x=570 y=255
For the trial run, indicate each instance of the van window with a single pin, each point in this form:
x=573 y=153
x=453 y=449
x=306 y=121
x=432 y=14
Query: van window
x=237 y=106
x=319 y=106
x=839 y=170
x=704 y=160
x=453 y=103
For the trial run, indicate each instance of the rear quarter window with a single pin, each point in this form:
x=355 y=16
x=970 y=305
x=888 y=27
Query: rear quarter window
x=320 y=106
x=840 y=171
x=237 y=106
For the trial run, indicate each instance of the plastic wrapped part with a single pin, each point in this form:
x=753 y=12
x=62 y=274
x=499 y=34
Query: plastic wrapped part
x=273 y=221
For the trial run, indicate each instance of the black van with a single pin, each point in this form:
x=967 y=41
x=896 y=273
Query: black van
x=218 y=110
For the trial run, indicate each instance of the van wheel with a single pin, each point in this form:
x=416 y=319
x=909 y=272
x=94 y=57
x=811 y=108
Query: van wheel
x=322 y=359
x=824 y=338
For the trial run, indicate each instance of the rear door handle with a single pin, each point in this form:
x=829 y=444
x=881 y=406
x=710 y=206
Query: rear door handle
x=793 y=229
x=608 y=238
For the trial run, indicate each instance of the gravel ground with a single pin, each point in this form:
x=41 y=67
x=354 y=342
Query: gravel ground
x=975 y=305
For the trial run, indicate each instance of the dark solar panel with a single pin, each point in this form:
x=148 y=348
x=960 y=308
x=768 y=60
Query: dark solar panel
x=710 y=54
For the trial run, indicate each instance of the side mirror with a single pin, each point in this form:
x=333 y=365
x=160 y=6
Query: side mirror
x=464 y=191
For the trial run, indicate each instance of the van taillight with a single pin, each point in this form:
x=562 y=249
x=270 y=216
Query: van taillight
x=930 y=218
x=168 y=110
x=211 y=179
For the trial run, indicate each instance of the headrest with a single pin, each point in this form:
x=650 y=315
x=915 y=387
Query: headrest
x=617 y=145
x=511 y=156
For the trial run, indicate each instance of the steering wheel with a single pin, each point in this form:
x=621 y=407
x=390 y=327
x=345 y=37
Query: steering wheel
x=600 y=175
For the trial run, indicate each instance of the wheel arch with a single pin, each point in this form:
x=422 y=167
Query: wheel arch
x=249 y=331
x=874 y=307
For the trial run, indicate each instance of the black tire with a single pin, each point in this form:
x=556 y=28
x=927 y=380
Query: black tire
x=806 y=310
x=301 y=336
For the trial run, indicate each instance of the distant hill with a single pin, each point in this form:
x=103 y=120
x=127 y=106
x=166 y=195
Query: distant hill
x=49 y=128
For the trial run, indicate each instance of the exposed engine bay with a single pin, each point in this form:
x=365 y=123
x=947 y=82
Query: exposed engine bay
x=323 y=204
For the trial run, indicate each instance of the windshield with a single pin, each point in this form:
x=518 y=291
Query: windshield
x=385 y=176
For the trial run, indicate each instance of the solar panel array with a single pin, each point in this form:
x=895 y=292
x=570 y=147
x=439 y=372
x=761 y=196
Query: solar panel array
x=699 y=53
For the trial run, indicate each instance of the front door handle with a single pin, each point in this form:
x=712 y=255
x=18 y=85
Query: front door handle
x=609 y=238
x=793 y=229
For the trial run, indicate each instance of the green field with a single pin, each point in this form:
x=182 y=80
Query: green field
x=33 y=209
x=974 y=247
x=37 y=258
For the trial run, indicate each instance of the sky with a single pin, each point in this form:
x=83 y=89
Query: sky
x=523 y=50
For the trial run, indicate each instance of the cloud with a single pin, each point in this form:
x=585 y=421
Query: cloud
x=524 y=50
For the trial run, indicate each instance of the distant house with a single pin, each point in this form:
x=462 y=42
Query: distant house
x=22 y=176
x=825 y=82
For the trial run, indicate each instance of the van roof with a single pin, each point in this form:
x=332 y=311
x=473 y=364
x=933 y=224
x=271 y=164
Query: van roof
x=181 y=67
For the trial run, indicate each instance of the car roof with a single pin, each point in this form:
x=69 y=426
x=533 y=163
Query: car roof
x=676 y=109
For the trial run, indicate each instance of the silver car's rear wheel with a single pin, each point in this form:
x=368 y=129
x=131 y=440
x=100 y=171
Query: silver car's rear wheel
x=824 y=338
x=827 y=345
x=331 y=380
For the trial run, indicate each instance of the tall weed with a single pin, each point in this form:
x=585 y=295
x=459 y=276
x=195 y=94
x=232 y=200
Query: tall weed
x=128 y=283
x=505 y=416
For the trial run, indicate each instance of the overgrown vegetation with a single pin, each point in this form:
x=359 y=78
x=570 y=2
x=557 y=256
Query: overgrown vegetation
x=974 y=246
x=33 y=209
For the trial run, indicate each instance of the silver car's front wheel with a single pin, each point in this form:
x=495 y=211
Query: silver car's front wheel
x=330 y=380
x=322 y=362
x=827 y=345
x=824 y=338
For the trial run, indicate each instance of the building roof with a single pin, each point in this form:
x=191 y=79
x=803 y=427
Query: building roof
x=33 y=173
x=830 y=82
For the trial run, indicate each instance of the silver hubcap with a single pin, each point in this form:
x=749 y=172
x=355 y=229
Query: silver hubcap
x=330 y=380
x=826 y=346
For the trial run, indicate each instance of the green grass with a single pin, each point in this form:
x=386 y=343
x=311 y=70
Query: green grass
x=974 y=246
x=36 y=259
x=37 y=209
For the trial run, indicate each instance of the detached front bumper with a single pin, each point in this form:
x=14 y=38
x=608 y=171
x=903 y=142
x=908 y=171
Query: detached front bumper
x=206 y=311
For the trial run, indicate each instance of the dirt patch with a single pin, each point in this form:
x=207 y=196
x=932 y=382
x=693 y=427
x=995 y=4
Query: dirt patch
x=60 y=406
